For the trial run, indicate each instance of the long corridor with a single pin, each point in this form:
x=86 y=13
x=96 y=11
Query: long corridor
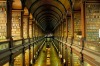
x=49 y=32
x=48 y=56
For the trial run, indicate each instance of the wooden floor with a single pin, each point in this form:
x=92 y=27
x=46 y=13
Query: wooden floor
x=48 y=57
x=54 y=59
x=41 y=61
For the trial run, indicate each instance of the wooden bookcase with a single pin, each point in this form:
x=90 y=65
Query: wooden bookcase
x=69 y=27
x=25 y=26
x=18 y=60
x=77 y=25
x=30 y=28
x=16 y=24
x=92 y=12
x=3 y=20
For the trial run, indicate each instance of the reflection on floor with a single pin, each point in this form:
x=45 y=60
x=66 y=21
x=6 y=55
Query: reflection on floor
x=41 y=61
x=48 y=57
x=54 y=59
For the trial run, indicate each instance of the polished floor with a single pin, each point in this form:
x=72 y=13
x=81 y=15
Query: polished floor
x=48 y=57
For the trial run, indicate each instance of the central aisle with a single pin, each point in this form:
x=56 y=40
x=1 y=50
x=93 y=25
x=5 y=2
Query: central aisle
x=48 y=56
x=54 y=59
x=41 y=61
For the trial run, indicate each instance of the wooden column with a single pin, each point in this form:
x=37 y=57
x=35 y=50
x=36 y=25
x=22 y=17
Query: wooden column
x=83 y=28
x=83 y=19
x=66 y=29
x=72 y=24
x=32 y=28
x=72 y=37
x=28 y=27
x=23 y=53
x=83 y=22
x=9 y=23
x=62 y=41
x=9 y=18
x=66 y=53
x=25 y=16
x=33 y=41
x=35 y=31
x=63 y=45
x=34 y=37
x=29 y=42
x=59 y=38
x=30 y=55
x=28 y=39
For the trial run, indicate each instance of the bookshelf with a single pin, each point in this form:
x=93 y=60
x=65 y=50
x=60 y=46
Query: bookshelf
x=76 y=60
x=77 y=25
x=27 y=57
x=3 y=20
x=16 y=24
x=25 y=26
x=69 y=27
x=18 y=60
x=92 y=12
x=30 y=28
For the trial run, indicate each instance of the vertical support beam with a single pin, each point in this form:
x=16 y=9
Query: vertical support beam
x=34 y=31
x=32 y=50
x=21 y=28
x=59 y=38
x=23 y=52
x=29 y=20
x=66 y=53
x=37 y=32
x=9 y=18
x=9 y=23
x=32 y=28
x=30 y=55
x=62 y=41
x=33 y=40
x=83 y=19
x=72 y=37
x=83 y=28
x=28 y=27
x=29 y=41
x=72 y=25
x=66 y=29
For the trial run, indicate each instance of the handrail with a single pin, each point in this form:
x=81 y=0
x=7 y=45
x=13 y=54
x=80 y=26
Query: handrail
x=95 y=46
x=4 y=45
x=4 y=41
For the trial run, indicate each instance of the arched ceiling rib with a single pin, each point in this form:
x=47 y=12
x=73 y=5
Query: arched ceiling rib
x=48 y=7
x=50 y=13
x=51 y=18
x=53 y=21
x=42 y=12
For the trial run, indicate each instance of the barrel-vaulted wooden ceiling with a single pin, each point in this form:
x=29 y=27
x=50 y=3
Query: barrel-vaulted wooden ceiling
x=49 y=13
